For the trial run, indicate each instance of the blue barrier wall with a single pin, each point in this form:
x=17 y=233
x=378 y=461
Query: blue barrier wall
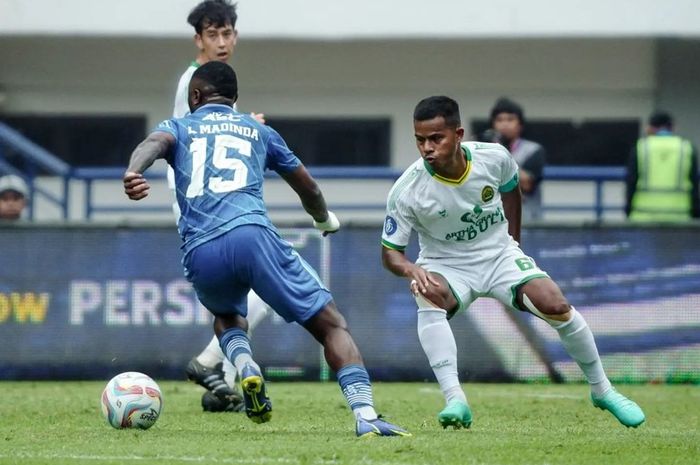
x=88 y=302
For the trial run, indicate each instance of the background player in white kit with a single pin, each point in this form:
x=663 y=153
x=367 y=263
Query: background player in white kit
x=214 y=22
x=463 y=200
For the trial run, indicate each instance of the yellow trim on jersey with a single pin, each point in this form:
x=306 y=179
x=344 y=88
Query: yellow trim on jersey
x=454 y=182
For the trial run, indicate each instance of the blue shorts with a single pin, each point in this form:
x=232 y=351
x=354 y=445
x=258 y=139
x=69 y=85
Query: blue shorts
x=224 y=270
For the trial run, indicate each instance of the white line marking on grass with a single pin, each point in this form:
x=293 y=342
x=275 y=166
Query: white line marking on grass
x=553 y=396
x=429 y=390
x=138 y=458
x=544 y=395
x=23 y=456
x=536 y=395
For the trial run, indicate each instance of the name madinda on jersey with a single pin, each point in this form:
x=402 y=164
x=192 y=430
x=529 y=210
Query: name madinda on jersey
x=226 y=124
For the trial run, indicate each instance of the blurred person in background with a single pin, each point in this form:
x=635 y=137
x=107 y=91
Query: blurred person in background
x=662 y=175
x=507 y=124
x=13 y=197
x=214 y=23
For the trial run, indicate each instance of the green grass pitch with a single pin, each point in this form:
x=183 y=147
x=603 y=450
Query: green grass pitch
x=61 y=423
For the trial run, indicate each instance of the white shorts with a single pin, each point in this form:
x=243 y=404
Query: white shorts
x=499 y=278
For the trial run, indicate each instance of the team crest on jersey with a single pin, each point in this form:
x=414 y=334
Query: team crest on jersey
x=390 y=226
x=487 y=194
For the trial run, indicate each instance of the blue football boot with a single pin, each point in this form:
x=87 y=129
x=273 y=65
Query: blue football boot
x=258 y=406
x=378 y=427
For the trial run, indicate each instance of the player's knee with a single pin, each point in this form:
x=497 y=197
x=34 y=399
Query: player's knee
x=555 y=309
x=435 y=297
x=559 y=311
x=328 y=319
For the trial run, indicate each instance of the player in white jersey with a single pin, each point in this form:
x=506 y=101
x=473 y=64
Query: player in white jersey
x=463 y=200
x=214 y=22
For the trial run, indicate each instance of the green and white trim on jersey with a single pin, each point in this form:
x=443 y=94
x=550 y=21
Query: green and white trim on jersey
x=514 y=289
x=455 y=219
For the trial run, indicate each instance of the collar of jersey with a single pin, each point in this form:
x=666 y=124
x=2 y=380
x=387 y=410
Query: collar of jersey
x=453 y=182
x=195 y=64
x=212 y=106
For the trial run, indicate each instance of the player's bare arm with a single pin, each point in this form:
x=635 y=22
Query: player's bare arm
x=155 y=146
x=527 y=181
x=312 y=199
x=512 y=207
x=396 y=262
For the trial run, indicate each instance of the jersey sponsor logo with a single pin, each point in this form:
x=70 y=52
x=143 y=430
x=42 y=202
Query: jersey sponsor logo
x=477 y=224
x=487 y=194
x=472 y=216
x=218 y=116
x=443 y=213
x=390 y=226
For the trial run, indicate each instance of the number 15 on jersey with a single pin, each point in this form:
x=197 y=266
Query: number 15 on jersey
x=231 y=173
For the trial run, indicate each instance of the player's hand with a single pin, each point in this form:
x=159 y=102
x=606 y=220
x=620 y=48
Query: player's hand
x=329 y=226
x=420 y=280
x=135 y=185
x=260 y=117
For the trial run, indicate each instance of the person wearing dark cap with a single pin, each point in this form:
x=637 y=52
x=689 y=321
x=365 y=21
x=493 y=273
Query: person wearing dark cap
x=507 y=124
x=662 y=175
x=13 y=197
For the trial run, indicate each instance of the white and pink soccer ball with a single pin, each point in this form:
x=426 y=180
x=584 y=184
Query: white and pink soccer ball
x=131 y=400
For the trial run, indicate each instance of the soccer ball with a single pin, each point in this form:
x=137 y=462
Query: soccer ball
x=131 y=400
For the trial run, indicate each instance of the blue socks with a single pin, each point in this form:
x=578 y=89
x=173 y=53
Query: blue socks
x=356 y=387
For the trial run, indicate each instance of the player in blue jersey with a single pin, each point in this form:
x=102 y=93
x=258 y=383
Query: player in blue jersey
x=231 y=246
x=214 y=23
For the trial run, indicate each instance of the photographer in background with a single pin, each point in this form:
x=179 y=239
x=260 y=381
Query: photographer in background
x=662 y=175
x=507 y=124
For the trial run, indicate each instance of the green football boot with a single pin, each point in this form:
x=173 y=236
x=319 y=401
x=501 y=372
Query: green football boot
x=625 y=410
x=457 y=414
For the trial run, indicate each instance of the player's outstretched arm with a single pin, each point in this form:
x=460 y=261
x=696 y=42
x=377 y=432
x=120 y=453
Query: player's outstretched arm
x=512 y=207
x=155 y=146
x=396 y=262
x=312 y=199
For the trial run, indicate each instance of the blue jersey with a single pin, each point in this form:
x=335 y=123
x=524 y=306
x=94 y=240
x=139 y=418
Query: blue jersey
x=219 y=160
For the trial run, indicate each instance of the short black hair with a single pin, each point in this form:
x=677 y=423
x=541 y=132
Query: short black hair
x=435 y=106
x=661 y=119
x=506 y=105
x=213 y=12
x=220 y=76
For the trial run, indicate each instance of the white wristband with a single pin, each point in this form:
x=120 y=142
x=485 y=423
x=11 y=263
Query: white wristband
x=330 y=225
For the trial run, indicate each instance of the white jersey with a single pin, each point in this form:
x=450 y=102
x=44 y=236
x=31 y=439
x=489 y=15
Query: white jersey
x=181 y=108
x=458 y=222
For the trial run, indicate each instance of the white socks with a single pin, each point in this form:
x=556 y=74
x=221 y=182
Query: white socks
x=440 y=347
x=578 y=341
x=212 y=354
x=257 y=311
